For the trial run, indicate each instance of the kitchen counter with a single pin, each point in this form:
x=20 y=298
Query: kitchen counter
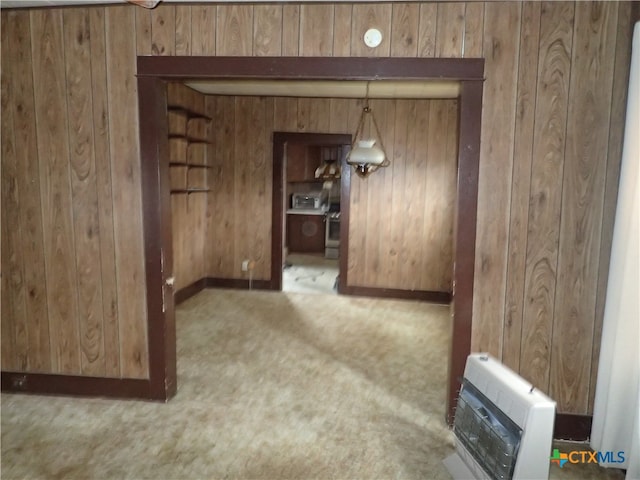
x=306 y=211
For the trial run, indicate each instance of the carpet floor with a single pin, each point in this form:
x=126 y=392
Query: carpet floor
x=270 y=386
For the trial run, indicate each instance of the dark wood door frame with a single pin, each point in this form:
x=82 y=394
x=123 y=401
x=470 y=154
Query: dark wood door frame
x=280 y=141
x=153 y=72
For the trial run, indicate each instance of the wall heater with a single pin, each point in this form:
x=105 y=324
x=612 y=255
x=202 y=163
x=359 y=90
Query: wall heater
x=503 y=426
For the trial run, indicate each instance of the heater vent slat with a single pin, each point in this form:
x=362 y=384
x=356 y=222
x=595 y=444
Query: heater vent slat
x=489 y=435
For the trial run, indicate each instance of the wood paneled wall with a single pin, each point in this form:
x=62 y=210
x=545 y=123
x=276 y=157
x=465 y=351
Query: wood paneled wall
x=73 y=274
x=402 y=215
x=552 y=126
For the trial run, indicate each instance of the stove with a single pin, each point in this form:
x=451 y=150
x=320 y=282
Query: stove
x=332 y=235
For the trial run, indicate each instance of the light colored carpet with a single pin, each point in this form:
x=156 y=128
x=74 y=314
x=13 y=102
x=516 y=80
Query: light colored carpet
x=271 y=386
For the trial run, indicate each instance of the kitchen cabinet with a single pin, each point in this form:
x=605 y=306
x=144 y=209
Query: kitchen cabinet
x=302 y=162
x=305 y=233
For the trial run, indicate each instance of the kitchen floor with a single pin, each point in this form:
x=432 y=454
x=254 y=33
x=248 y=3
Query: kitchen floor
x=308 y=273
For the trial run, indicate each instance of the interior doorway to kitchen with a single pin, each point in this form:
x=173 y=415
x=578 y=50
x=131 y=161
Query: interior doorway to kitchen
x=311 y=187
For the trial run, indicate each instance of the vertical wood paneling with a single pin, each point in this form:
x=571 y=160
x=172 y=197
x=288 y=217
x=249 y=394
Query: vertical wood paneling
x=523 y=194
x=225 y=113
x=316 y=30
x=404 y=29
x=203 y=29
x=313 y=114
x=49 y=63
x=183 y=30
x=127 y=209
x=424 y=126
x=261 y=175
x=14 y=337
x=397 y=252
x=451 y=30
x=521 y=183
x=290 y=29
x=84 y=189
x=267 y=34
x=582 y=198
x=372 y=228
x=143 y=31
x=339 y=115
x=214 y=160
x=501 y=25
x=427 y=30
x=24 y=131
x=366 y=16
x=386 y=115
x=614 y=157
x=105 y=196
x=356 y=268
x=286 y=114
x=189 y=212
x=556 y=29
x=163 y=30
x=234 y=30
x=439 y=193
x=449 y=180
x=473 y=30
x=243 y=230
x=414 y=186
x=342 y=30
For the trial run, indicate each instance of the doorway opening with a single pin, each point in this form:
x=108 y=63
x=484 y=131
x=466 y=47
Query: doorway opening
x=308 y=232
x=154 y=72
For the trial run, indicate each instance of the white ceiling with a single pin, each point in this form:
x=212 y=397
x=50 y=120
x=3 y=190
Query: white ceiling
x=332 y=89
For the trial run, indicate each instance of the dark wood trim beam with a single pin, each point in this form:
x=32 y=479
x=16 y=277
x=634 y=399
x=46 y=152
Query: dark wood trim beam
x=421 y=295
x=156 y=204
x=153 y=71
x=310 y=68
x=470 y=109
x=277 y=209
x=189 y=291
x=239 y=283
x=345 y=218
x=50 y=384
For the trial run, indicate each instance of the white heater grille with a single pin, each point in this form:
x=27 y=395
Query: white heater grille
x=489 y=436
x=503 y=426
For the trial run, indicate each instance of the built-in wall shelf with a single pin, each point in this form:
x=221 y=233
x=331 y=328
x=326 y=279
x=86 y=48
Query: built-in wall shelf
x=188 y=165
x=190 y=114
x=188 y=168
x=189 y=191
x=188 y=138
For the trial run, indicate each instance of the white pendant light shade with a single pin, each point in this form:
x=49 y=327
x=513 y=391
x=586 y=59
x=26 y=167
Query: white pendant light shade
x=366 y=152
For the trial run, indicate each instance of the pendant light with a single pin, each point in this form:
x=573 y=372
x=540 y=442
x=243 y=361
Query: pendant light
x=329 y=170
x=365 y=156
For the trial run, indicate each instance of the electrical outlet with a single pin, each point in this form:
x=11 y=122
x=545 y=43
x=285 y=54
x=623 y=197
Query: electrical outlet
x=245 y=265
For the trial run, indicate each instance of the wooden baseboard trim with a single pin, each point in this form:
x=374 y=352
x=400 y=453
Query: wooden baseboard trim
x=51 y=384
x=209 y=282
x=423 y=295
x=572 y=427
x=238 y=283
x=189 y=291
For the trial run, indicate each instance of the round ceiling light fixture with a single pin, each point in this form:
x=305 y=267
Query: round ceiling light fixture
x=372 y=37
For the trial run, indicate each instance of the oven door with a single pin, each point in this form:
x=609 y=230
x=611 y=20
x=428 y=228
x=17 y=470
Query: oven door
x=332 y=239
